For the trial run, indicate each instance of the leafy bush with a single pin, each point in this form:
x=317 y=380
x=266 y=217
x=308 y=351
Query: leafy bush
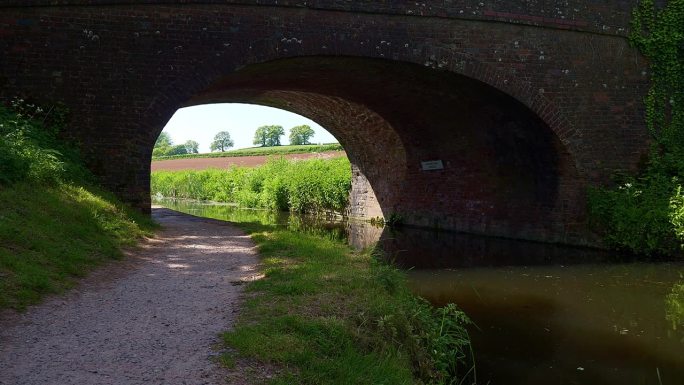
x=21 y=155
x=642 y=216
x=645 y=214
x=30 y=150
x=434 y=338
x=302 y=185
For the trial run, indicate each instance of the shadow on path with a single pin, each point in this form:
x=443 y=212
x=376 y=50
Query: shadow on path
x=152 y=319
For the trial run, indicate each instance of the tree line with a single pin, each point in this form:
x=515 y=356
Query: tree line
x=264 y=136
x=164 y=146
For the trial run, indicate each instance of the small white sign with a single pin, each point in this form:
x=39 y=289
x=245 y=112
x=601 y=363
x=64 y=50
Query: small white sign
x=431 y=165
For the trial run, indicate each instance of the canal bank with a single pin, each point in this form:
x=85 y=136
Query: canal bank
x=539 y=311
x=152 y=318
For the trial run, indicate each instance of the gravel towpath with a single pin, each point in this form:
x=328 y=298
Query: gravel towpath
x=152 y=319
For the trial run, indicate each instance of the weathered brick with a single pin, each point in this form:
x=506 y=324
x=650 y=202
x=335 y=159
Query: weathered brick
x=525 y=103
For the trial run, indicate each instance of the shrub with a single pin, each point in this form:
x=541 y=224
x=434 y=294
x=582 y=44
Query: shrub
x=30 y=150
x=645 y=214
x=640 y=216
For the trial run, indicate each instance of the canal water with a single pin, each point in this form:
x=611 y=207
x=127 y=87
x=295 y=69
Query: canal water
x=542 y=314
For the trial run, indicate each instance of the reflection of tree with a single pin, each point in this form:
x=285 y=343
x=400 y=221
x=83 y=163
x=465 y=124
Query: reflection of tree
x=674 y=305
x=317 y=225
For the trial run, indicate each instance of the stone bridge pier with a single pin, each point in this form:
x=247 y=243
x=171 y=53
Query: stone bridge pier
x=484 y=117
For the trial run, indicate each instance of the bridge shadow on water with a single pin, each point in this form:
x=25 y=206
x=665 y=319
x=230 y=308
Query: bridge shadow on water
x=418 y=248
x=548 y=312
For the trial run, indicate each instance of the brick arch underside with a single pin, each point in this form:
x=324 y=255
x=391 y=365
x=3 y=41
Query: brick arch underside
x=126 y=69
x=506 y=173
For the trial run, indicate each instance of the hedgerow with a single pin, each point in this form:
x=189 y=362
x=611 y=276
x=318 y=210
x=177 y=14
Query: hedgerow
x=314 y=185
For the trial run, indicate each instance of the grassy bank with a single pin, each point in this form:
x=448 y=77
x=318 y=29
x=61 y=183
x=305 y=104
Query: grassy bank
x=324 y=314
x=54 y=223
x=259 y=151
x=313 y=185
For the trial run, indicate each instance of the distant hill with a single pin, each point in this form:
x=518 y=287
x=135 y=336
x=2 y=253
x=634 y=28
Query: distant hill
x=256 y=151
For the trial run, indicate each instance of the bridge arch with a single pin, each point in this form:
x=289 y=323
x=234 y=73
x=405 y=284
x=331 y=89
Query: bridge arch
x=203 y=77
x=506 y=171
x=568 y=72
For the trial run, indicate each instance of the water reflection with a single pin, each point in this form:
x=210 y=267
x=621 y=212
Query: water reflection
x=359 y=234
x=412 y=248
x=674 y=304
x=583 y=324
x=544 y=314
x=552 y=313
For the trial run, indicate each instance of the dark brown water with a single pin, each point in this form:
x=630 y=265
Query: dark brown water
x=581 y=324
x=544 y=314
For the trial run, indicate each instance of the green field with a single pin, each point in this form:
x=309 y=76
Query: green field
x=258 y=151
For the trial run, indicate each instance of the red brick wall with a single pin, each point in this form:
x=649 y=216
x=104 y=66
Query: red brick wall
x=524 y=105
x=606 y=17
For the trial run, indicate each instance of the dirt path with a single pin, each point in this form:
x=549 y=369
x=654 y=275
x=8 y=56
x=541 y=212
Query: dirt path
x=150 y=320
x=243 y=161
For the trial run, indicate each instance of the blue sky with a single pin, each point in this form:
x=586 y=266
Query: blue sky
x=201 y=123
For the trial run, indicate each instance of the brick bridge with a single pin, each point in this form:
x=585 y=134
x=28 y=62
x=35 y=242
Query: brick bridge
x=523 y=103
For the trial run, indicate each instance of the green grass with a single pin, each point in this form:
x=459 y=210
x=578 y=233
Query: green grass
x=313 y=185
x=258 y=151
x=51 y=238
x=54 y=224
x=324 y=314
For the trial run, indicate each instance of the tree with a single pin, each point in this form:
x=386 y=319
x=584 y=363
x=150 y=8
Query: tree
x=160 y=151
x=178 y=149
x=222 y=142
x=301 y=134
x=274 y=134
x=268 y=136
x=191 y=147
x=164 y=140
x=163 y=146
x=260 y=136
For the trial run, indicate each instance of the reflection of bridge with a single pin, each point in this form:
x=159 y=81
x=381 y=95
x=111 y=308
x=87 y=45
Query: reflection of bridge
x=520 y=105
x=421 y=248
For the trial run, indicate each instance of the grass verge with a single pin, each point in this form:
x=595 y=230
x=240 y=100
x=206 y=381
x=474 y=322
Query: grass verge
x=324 y=314
x=51 y=238
x=260 y=151
x=54 y=224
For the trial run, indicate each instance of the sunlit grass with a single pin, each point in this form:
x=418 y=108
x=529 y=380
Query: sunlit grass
x=324 y=314
x=49 y=236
